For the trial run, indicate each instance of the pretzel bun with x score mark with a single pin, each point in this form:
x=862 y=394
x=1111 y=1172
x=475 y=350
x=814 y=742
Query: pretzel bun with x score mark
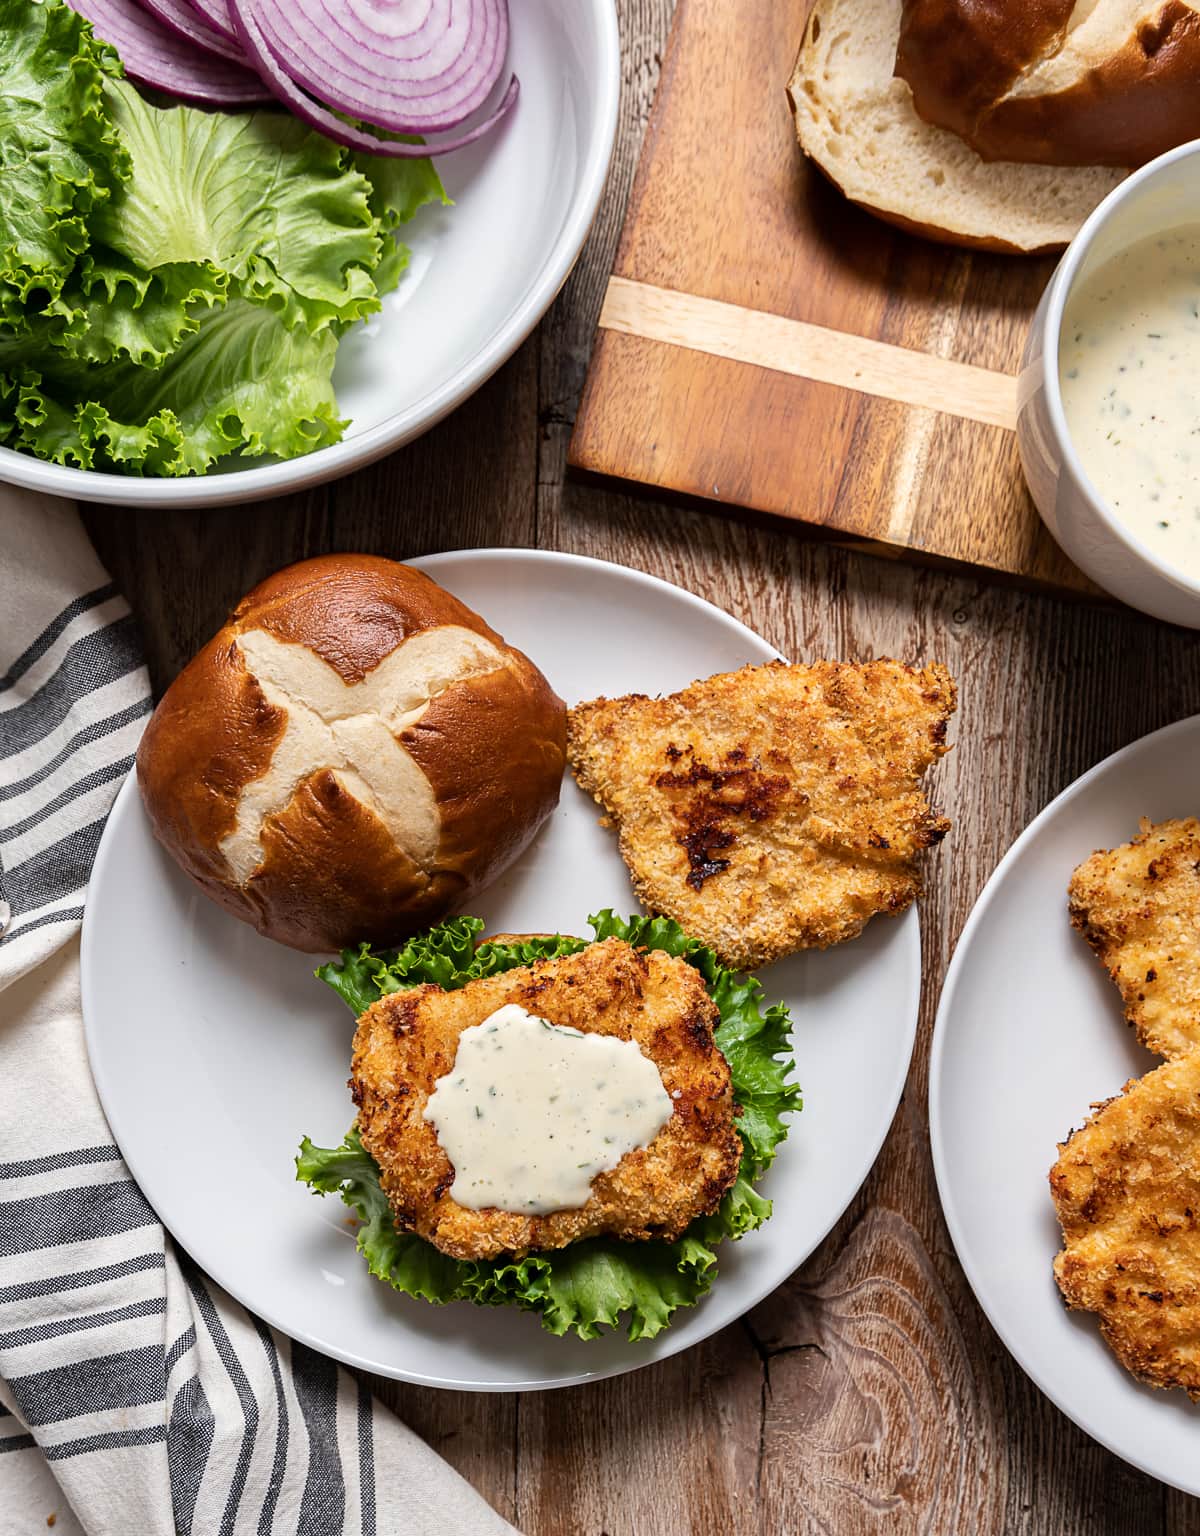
x=352 y=756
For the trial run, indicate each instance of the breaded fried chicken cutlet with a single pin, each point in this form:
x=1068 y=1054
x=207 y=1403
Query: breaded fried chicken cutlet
x=1138 y=906
x=427 y=1063
x=1127 y=1191
x=775 y=808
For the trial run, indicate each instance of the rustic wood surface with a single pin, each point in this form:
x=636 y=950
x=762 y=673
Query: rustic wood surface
x=759 y=399
x=869 y=1394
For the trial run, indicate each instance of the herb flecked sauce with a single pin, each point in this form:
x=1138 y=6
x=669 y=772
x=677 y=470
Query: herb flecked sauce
x=1129 y=369
x=531 y=1111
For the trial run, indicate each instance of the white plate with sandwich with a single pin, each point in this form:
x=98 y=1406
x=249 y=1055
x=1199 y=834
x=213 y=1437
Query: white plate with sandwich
x=226 y=1051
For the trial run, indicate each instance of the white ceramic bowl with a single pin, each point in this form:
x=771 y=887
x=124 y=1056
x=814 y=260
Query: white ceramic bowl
x=1160 y=196
x=482 y=273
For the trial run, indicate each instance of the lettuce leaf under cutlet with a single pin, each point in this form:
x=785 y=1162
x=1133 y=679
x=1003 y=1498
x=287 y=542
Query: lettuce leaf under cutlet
x=591 y=1285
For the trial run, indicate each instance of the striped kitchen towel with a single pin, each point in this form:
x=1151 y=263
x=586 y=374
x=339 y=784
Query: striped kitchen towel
x=136 y=1398
x=73 y=700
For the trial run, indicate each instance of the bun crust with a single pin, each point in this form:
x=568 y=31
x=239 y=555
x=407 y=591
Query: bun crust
x=327 y=782
x=1055 y=82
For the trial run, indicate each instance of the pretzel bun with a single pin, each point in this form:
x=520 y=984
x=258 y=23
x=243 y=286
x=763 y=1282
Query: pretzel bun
x=1056 y=82
x=856 y=121
x=352 y=756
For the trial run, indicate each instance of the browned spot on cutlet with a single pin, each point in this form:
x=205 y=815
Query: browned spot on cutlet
x=775 y=808
x=738 y=787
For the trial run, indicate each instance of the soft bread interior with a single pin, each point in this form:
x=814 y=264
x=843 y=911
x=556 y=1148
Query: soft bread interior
x=352 y=729
x=857 y=121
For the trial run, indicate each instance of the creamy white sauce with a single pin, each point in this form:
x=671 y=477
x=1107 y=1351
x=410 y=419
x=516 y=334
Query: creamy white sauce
x=531 y=1111
x=1129 y=361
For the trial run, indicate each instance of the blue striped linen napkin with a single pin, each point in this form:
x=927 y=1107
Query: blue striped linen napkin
x=136 y=1397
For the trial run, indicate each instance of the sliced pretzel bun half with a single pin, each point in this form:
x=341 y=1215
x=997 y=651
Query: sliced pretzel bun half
x=352 y=756
x=1056 y=82
x=857 y=121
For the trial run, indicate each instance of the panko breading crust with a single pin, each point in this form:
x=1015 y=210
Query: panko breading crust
x=1138 y=906
x=1127 y=1191
x=407 y=1040
x=775 y=808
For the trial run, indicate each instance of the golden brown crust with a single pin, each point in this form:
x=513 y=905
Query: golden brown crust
x=307 y=888
x=772 y=809
x=1138 y=906
x=492 y=747
x=407 y=1040
x=352 y=610
x=1127 y=1191
x=490 y=779
x=961 y=57
x=212 y=732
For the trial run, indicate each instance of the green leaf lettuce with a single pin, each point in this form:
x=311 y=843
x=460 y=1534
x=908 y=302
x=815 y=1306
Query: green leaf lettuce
x=590 y=1285
x=399 y=190
x=60 y=156
x=241 y=381
x=256 y=196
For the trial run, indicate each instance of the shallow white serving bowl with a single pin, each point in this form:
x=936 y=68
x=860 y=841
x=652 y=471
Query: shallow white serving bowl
x=1160 y=196
x=482 y=273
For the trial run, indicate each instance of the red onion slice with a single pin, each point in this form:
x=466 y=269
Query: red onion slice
x=216 y=13
x=182 y=19
x=156 y=56
x=411 y=66
x=246 y=16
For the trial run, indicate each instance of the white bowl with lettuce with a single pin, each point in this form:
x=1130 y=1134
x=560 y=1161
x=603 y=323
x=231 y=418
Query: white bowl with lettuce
x=205 y=306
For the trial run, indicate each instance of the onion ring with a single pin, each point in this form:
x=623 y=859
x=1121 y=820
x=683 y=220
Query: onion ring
x=409 y=66
x=154 y=55
x=216 y=13
x=246 y=16
x=188 y=22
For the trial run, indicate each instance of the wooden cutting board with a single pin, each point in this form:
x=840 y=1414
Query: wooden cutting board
x=765 y=344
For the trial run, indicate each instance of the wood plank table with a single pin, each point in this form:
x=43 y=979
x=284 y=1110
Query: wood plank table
x=868 y=1394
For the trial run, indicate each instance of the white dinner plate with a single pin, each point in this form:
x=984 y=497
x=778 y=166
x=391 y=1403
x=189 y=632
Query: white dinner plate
x=215 y=1050
x=482 y=273
x=1029 y=1035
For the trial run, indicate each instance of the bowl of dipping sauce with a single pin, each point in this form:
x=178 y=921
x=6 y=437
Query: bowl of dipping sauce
x=1108 y=414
